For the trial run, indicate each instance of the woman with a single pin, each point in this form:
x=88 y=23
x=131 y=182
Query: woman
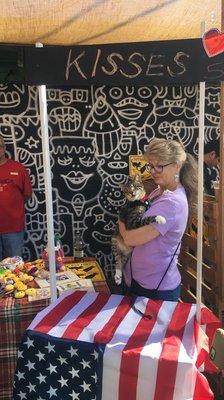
x=152 y=268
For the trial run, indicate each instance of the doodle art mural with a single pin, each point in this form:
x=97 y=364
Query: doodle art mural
x=92 y=133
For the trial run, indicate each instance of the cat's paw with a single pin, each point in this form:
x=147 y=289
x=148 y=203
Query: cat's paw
x=118 y=277
x=160 y=220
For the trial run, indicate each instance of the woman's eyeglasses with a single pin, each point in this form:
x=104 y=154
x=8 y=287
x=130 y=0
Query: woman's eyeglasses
x=156 y=168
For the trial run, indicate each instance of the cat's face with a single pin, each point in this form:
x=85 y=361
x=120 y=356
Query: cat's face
x=133 y=189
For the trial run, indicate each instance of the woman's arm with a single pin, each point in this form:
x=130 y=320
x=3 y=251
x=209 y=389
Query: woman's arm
x=136 y=237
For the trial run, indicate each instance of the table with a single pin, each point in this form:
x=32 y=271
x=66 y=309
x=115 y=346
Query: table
x=15 y=317
x=88 y=344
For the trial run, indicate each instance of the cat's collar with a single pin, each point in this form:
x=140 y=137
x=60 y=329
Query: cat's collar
x=145 y=200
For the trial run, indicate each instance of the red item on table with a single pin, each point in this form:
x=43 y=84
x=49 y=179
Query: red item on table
x=59 y=255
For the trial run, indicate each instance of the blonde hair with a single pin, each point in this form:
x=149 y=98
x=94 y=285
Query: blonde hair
x=174 y=152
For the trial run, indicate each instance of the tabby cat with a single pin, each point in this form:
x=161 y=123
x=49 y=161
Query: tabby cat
x=131 y=214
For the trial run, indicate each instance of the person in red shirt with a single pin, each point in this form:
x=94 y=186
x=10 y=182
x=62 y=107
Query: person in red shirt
x=15 y=189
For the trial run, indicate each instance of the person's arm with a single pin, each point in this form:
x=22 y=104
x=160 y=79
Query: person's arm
x=27 y=187
x=136 y=237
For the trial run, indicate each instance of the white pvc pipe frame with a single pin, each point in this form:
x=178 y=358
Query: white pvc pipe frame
x=48 y=192
x=200 y=190
x=48 y=186
x=200 y=197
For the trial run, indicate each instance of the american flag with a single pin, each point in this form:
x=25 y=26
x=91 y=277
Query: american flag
x=95 y=346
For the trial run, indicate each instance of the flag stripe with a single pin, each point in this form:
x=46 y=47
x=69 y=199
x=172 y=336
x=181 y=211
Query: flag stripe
x=131 y=353
x=202 y=390
x=168 y=360
x=106 y=333
x=46 y=310
x=101 y=319
x=210 y=328
x=151 y=352
x=113 y=352
x=202 y=344
x=72 y=315
x=60 y=309
x=83 y=320
x=186 y=372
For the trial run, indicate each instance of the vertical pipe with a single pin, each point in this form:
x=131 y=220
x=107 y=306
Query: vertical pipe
x=200 y=190
x=48 y=186
x=200 y=196
x=221 y=197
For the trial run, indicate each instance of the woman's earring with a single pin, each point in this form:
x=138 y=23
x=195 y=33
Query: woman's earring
x=176 y=177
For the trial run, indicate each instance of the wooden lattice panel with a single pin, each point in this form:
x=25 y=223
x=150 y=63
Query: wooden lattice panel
x=210 y=267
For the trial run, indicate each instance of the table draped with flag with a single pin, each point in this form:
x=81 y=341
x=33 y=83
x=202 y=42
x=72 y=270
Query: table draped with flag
x=95 y=346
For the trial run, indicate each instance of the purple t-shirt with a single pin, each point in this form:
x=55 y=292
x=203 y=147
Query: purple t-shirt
x=150 y=260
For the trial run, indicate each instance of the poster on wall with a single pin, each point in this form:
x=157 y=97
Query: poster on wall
x=138 y=166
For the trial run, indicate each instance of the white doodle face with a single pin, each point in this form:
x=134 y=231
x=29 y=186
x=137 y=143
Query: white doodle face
x=131 y=104
x=102 y=228
x=118 y=161
x=68 y=119
x=174 y=122
x=103 y=126
x=68 y=97
x=14 y=99
x=212 y=113
x=111 y=197
x=75 y=168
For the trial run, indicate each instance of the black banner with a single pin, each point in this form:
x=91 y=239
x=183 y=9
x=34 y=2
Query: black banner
x=145 y=63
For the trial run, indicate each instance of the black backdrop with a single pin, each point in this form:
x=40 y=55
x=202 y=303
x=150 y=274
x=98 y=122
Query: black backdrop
x=92 y=132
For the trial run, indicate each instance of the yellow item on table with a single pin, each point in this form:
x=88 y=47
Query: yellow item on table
x=10 y=275
x=24 y=278
x=9 y=288
x=17 y=284
x=20 y=294
x=7 y=272
x=20 y=286
x=30 y=292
